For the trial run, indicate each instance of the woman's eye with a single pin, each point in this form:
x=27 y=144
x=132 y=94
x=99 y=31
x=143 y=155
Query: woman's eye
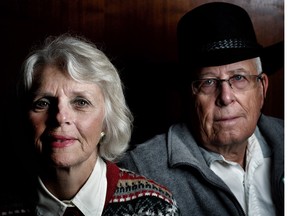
x=209 y=82
x=40 y=104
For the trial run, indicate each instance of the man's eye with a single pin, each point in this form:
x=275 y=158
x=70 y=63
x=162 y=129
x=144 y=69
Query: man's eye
x=238 y=78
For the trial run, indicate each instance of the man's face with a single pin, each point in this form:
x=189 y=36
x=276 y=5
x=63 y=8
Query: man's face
x=229 y=116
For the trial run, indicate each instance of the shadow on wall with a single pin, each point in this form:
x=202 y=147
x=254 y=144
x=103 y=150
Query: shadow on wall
x=152 y=97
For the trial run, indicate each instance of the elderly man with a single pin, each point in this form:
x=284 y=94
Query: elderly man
x=227 y=157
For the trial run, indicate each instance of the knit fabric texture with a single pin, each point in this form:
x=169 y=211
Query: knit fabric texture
x=137 y=195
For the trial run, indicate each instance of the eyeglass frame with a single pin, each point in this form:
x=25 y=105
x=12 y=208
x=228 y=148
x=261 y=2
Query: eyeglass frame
x=220 y=81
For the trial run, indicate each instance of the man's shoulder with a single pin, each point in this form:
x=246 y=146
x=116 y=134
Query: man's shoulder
x=142 y=154
x=159 y=141
x=159 y=138
x=271 y=118
x=266 y=121
x=156 y=148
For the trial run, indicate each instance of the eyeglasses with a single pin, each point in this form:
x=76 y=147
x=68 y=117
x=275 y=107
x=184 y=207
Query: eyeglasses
x=239 y=83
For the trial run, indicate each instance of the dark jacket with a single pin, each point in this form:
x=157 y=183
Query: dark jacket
x=175 y=160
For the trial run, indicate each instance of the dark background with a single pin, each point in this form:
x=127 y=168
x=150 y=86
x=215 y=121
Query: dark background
x=139 y=36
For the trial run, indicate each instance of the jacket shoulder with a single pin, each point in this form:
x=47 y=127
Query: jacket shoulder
x=144 y=152
x=271 y=125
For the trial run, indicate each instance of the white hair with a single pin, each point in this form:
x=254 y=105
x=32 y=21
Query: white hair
x=258 y=65
x=83 y=61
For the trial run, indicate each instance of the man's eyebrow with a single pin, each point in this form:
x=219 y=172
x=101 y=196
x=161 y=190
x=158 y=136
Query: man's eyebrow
x=238 y=70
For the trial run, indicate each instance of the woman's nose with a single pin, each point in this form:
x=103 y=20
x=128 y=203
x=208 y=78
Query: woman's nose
x=64 y=114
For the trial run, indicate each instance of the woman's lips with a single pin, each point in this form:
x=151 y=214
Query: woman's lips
x=61 y=141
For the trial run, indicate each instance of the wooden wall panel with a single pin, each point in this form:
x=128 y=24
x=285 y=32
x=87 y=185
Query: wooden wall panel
x=140 y=38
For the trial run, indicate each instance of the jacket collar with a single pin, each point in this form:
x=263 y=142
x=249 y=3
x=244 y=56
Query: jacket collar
x=184 y=151
x=182 y=147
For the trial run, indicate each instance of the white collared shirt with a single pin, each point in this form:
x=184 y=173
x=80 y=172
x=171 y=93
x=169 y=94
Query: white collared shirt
x=251 y=187
x=90 y=200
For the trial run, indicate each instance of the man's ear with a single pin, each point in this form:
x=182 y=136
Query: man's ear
x=265 y=83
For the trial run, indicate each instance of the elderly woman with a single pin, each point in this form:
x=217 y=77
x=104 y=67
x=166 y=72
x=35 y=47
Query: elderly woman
x=80 y=125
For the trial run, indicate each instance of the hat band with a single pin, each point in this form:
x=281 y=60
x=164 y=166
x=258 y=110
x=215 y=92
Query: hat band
x=228 y=44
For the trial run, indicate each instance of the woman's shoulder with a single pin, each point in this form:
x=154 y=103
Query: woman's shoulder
x=131 y=181
x=138 y=194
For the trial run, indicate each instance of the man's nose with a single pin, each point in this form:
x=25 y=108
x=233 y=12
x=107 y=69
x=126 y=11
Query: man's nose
x=226 y=93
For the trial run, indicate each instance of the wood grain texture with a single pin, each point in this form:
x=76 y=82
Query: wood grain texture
x=139 y=36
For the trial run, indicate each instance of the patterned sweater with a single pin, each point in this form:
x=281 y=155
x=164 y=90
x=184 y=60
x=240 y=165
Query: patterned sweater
x=128 y=194
x=132 y=194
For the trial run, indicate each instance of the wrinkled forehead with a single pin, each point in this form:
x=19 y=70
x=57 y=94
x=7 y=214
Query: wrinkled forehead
x=246 y=67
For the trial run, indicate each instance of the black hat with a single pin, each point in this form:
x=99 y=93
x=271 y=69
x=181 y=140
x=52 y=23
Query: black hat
x=216 y=34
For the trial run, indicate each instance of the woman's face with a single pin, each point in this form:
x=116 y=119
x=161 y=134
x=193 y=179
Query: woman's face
x=67 y=119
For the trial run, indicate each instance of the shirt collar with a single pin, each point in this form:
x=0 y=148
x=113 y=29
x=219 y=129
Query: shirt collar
x=89 y=200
